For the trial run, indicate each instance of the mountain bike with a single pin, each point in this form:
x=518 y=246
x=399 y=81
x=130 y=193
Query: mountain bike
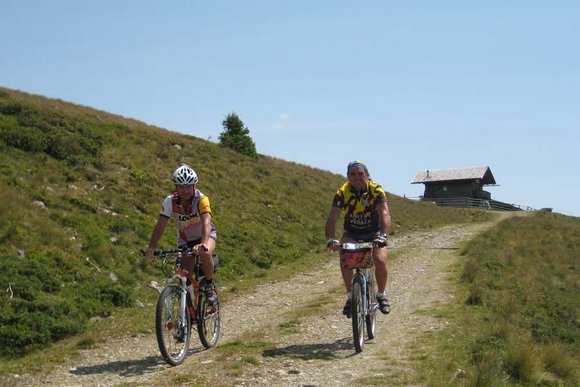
x=183 y=303
x=364 y=304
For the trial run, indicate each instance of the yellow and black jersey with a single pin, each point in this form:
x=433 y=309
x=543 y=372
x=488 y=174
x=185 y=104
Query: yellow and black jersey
x=359 y=208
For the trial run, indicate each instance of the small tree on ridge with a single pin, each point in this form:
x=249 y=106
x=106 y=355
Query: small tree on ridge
x=237 y=136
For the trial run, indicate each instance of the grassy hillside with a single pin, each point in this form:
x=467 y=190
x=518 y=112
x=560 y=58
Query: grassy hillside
x=80 y=191
x=518 y=320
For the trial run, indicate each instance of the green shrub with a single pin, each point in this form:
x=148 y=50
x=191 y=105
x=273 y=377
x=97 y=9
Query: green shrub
x=71 y=147
x=29 y=118
x=115 y=295
x=25 y=138
x=26 y=331
x=10 y=108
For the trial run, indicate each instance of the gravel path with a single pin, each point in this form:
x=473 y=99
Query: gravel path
x=318 y=350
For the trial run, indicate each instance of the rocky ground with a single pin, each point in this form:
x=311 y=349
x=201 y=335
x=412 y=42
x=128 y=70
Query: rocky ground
x=317 y=350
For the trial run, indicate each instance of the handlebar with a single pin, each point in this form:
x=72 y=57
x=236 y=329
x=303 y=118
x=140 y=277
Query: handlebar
x=180 y=251
x=352 y=246
x=177 y=252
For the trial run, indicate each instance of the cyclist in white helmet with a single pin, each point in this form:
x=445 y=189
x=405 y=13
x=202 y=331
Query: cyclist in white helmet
x=191 y=210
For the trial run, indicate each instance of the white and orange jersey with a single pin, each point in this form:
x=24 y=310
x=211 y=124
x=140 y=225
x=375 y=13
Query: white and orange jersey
x=188 y=224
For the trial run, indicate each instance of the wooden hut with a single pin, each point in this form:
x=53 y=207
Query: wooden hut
x=455 y=183
x=461 y=187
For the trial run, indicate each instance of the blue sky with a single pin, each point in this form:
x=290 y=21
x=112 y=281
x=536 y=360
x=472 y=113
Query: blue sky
x=402 y=85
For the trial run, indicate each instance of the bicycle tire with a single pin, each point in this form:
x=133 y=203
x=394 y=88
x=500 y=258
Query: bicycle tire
x=358 y=318
x=173 y=334
x=371 y=317
x=208 y=321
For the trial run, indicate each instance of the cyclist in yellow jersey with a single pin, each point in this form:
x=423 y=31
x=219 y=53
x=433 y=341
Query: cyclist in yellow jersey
x=366 y=218
x=191 y=210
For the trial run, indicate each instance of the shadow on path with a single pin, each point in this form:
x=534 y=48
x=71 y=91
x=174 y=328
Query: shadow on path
x=128 y=368
x=341 y=348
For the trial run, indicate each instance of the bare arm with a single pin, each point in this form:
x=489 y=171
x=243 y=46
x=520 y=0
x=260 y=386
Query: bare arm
x=330 y=228
x=385 y=216
x=205 y=227
x=157 y=234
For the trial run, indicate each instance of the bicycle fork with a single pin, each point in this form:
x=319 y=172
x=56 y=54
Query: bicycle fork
x=370 y=304
x=364 y=305
x=365 y=289
x=183 y=307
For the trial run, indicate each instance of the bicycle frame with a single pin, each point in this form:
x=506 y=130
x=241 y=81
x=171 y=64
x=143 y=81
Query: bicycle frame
x=181 y=276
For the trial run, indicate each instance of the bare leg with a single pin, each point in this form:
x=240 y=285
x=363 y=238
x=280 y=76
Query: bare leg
x=206 y=259
x=381 y=273
x=188 y=262
x=346 y=273
x=347 y=278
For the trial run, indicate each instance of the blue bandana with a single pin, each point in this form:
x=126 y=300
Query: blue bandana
x=357 y=163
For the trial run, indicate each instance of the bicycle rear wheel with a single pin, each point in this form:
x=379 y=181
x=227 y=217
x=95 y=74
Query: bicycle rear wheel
x=371 y=317
x=173 y=333
x=358 y=317
x=208 y=321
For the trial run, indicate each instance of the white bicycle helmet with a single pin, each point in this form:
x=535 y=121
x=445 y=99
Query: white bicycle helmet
x=184 y=175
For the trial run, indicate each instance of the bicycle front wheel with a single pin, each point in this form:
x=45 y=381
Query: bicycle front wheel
x=371 y=317
x=208 y=321
x=173 y=332
x=358 y=317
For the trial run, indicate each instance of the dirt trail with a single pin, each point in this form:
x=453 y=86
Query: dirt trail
x=319 y=353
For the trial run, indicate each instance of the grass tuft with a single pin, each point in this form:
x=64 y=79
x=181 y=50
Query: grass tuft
x=520 y=363
x=559 y=361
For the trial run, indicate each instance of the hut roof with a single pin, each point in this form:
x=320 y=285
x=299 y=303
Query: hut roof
x=482 y=173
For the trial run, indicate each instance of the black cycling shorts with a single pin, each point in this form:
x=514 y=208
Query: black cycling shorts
x=366 y=237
